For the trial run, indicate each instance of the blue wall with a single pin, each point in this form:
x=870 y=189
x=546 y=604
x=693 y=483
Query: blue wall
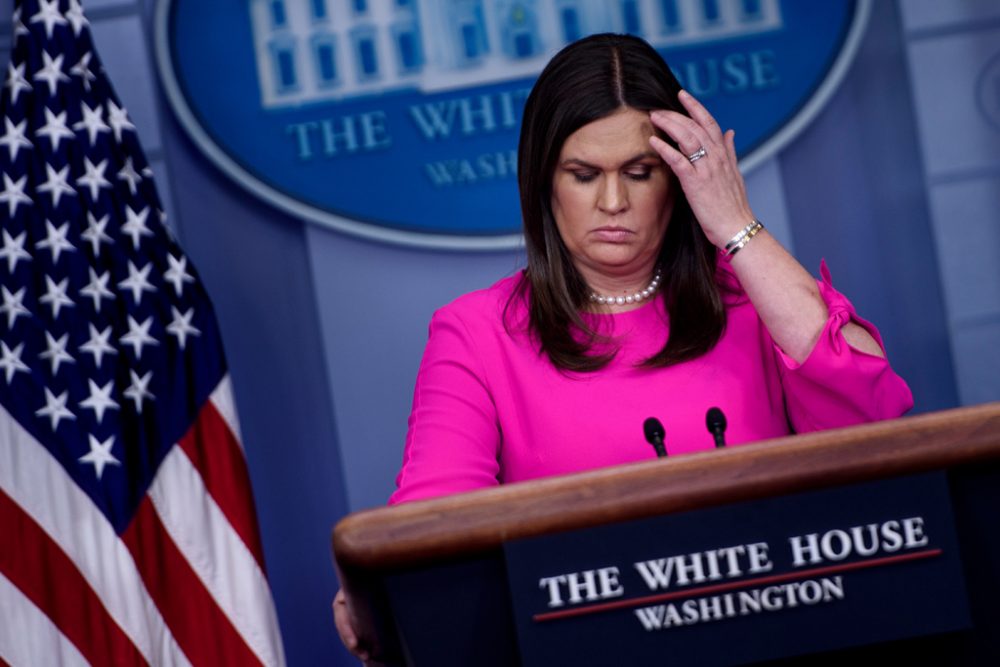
x=855 y=189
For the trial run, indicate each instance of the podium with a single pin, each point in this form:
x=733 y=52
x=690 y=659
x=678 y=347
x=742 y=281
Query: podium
x=432 y=582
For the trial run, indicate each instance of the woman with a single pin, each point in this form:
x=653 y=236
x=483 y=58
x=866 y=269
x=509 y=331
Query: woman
x=651 y=290
x=622 y=175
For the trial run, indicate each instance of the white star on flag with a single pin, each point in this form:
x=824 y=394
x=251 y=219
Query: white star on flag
x=12 y=305
x=100 y=399
x=92 y=121
x=49 y=15
x=135 y=225
x=177 y=274
x=56 y=184
x=138 y=390
x=130 y=176
x=138 y=335
x=97 y=345
x=14 y=138
x=56 y=351
x=55 y=128
x=94 y=179
x=97 y=288
x=76 y=18
x=19 y=28
x=82 y=70
x=55 y=408
x=100 y=454
x=13 y=193
x=181 y=327
x=10 y=361
x=118 y=120
x=51 y=73
x=55 y=295
x=55 y=240
x=94 y=233
x=137 y=281
x=16 y=81
x=13 y=249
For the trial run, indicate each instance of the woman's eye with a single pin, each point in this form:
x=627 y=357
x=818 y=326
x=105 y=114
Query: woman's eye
x=584 y=176
x=639 y=175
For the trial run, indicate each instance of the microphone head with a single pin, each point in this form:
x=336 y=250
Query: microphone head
x=715 y=420
x=653 y=430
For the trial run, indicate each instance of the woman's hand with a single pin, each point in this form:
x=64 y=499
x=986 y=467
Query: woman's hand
x=785 y=295
x=342 y=619
x=713 y=183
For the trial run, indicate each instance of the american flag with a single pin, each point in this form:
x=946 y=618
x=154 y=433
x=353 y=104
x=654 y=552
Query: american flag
x=127 y=529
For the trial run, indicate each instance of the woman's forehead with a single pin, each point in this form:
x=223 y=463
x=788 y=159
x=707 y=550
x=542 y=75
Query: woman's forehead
x=615 y=138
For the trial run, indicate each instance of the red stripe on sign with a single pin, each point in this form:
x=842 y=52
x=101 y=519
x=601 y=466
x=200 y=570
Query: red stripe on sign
x=201 y=628
x=43 y=572
x=215 y=453
x=741 y=583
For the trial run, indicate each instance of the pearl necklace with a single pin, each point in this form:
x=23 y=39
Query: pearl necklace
x=638 y=297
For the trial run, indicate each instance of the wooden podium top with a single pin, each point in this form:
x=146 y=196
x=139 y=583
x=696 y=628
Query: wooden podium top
x=423 y=532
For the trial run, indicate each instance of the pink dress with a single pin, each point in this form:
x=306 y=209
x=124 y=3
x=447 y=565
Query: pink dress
x=488 y=408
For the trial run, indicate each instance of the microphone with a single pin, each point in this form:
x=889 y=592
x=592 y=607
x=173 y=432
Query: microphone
x=716 y=423
x=653 y=430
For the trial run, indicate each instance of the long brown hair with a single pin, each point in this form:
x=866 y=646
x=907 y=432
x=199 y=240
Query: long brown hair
x=586 y=81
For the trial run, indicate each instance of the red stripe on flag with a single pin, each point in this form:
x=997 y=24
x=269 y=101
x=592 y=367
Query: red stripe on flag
x=215 y=453
x=46 y=576
x=200 y=627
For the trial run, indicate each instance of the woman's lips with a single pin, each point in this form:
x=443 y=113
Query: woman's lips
x=613 y=234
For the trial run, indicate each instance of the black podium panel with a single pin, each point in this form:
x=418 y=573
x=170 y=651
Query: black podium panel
x=461 y=612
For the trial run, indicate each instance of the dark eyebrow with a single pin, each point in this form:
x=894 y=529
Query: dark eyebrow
x=628 y=163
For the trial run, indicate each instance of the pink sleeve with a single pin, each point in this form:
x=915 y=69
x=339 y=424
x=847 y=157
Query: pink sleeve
x=453 y=439
x=838 y=385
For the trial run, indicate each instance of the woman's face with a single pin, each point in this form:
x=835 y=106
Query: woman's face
x=612 y=196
